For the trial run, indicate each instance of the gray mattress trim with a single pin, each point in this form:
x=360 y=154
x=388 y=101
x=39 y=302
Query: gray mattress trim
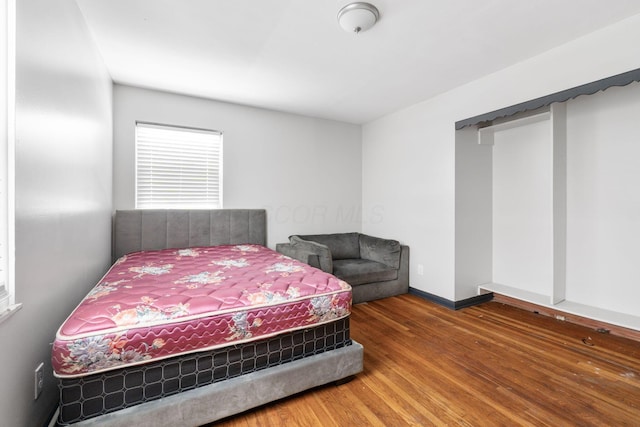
x=153 y=229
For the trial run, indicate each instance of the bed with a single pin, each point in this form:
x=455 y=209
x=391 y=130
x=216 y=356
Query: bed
x=196 y=321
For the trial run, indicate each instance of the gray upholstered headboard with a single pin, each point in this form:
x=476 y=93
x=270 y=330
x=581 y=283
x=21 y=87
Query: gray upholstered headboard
x=137 y=230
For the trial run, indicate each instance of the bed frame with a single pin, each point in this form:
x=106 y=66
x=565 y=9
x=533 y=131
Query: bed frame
x=137 y=230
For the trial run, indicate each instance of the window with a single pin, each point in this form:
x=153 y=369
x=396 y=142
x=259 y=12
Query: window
x=7 y=137
x=178 y=167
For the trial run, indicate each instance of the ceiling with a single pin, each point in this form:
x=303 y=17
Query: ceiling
x=291 y=55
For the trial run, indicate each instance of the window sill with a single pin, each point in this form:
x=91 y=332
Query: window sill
x=10 y=311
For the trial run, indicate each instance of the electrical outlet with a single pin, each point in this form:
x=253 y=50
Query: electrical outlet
x=420 y=269
x=39 y=380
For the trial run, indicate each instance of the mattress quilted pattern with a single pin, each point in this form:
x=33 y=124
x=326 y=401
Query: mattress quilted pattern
x=153 y=305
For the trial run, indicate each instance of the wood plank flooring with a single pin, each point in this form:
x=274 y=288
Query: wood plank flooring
x=488 y=365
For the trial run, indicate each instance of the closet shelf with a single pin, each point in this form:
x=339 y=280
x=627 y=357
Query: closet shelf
x=608 y=316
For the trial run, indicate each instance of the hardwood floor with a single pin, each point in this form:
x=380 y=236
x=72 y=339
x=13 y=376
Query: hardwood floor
x=488 y=365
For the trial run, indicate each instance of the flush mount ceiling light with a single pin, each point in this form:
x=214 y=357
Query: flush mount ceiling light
x=358 y=16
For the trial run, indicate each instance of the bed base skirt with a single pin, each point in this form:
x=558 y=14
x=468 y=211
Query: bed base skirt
x=220 y=400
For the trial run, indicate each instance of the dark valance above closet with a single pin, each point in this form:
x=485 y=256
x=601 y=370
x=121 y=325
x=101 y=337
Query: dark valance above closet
x=562 y=96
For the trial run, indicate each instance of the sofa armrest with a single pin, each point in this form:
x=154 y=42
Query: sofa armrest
x=384 y=251
x=312 y=253
x=296 y=253
x=403 y=272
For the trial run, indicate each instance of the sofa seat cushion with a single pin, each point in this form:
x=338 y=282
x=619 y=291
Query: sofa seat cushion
x=358 y=271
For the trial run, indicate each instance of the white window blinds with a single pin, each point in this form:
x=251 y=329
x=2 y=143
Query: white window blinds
x=178 y=167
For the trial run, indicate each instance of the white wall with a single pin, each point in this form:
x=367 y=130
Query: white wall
x=603 y=199
x=474 y=212
x=63 y=194
x=408 y=176
x=523 y=208
x=418 y=145
x=306 y=172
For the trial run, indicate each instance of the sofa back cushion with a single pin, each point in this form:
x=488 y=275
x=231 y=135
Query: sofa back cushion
x=385 y=251
x=341 y=245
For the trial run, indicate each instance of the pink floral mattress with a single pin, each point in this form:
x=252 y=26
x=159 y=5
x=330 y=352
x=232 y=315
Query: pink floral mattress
x=157 y=304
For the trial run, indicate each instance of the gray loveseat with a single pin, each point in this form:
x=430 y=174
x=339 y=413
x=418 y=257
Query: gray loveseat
x=374 y=267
